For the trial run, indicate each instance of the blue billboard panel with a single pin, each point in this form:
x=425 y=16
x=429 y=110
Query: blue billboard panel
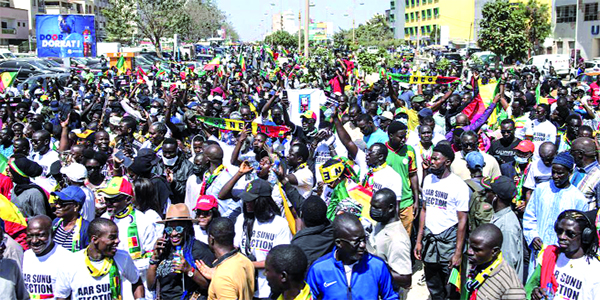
x=65 y=36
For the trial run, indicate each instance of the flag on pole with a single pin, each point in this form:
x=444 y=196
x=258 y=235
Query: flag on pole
x=242 y=62
x=6 y=79
x=215 y=62
x=121 y=65
x=269 y=52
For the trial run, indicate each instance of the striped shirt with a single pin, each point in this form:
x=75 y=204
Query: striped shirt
x=63 y=238
x=503 y=284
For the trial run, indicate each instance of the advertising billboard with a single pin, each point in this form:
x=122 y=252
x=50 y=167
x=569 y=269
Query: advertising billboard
x=65 y=35
x=317 y=31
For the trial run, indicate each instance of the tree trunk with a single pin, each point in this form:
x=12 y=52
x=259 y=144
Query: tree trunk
x=157 y=46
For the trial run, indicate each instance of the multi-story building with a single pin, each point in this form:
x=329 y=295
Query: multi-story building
x=284 y=21
x=14 y=24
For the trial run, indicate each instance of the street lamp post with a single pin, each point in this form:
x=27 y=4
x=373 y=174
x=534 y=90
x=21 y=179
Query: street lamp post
x=306 y=22
x=353 y=21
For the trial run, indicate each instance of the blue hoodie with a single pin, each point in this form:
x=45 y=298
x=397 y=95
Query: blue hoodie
x=371 y=279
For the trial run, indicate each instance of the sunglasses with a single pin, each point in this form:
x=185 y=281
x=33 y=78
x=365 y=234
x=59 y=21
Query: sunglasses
x=203 y=213
x=570 y=234
x=356 y=243
x=178 y=229
x=116 y=199
x=63 y=203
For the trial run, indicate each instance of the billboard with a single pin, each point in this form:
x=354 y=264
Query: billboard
x=65 y=35
x=317 y=31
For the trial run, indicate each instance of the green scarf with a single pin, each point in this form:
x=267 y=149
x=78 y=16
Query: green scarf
x=133 y=239
x=109 y=266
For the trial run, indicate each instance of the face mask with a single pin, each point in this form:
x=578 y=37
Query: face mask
x=169 y=161
x=521 y=160
x=377 y=214
x=153 y=111
x=437 y=172
x=197 y=170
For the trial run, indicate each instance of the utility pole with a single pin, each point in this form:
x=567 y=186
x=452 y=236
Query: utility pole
x=306 y=22
x=299 y=32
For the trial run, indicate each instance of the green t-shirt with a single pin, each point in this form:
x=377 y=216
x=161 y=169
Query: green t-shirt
x=404 y=163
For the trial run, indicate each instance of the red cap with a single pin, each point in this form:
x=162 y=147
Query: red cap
x=206 y=202
x=525 y=146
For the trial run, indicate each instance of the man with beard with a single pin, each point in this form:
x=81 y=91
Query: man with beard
x=100 y=269
x=43 y=259
x=349 y=262
x=402 y=159
x=389 y=239
x=45 y=157
x=503 y=150
x=176 y=168
x=547 y=201
x=285 y=267
x=443 y=218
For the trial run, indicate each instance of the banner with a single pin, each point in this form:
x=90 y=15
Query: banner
x=416 y=79
x=304 y=100
x=65 y=36
x=238 y=125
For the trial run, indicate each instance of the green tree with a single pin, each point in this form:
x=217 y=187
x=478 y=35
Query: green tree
x=502 y=30
x=282 y=38
x=538 y=25
x=202 y=20
x=160 y=18
x=119 y=24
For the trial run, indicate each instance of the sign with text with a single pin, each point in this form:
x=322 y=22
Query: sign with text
x=65 y=36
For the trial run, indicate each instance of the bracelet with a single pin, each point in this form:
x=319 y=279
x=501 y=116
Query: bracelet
x=153 y=262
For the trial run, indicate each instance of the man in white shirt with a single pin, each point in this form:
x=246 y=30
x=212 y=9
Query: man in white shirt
x=45 y=157
x=99 y=271
x=470 y=142
x=215 y=177
x=300 y=175
x=43 y=259
x=443 y=222
x=380 y=175
x=541 y=129
x=541 y=168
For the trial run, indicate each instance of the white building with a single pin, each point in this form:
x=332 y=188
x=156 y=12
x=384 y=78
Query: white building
x=575 y=26
x=287 y=23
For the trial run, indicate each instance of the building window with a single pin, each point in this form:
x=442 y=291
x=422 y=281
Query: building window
x=591 y=12
x=405 y=31
x=393 y=5
x=428 y=28
x=412 y=2
x=566 y=13
x=429 y=14
x=411 y=31
x=417 y=2
x=412 y=16
x=436 y=12
x=406 y=3
x=559 y=47
x=405 y=17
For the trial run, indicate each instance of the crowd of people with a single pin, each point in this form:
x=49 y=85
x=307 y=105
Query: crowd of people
x=221 y=183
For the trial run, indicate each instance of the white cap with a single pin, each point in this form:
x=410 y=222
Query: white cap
x=387 y=115
x=76 y=172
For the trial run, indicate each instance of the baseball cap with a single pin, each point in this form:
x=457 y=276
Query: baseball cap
x=117 y=186
x=426 y=112
x=309 y=114
x=525 y=146
x=84 y=134
x=256 y=188
x=417 y=98
x=387 y=115
x=206 y=202
x=475 y=160
x=502 y=186
x=70 y=193
x=76 y=172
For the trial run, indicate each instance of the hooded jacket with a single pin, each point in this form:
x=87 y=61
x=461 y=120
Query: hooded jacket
x=315 y=241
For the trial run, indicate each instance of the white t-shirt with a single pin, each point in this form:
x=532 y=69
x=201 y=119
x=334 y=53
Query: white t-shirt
x=45 y=161
x=538 y=173
x=74 y=278
x=306 y=181
x=146 y=234
x=88 y=210
x=443 y=199
x=200 y=234
x=387 y=178
x=577 y=278
x=265 y=236
x=541 y=132
x=39 y=272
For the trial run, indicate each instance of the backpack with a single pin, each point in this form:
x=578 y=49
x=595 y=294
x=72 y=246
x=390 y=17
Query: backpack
x=480 y=211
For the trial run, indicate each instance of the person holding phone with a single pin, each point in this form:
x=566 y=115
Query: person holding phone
x=172 y=273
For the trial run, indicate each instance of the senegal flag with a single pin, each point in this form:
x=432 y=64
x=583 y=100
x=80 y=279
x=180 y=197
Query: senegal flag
x=242 y=62
x=14 y=222
x=6 y=79
x=269 y=52
x=350 y=197
x=121 y=65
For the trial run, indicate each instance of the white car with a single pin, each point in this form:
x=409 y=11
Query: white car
x=589 y=66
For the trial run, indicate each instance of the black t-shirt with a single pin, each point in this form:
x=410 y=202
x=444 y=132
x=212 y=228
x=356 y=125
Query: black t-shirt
x=501 y=153
x=171 y=283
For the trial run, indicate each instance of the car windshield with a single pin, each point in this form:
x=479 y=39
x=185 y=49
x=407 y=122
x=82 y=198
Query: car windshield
x=50 y=63
x=38 y=64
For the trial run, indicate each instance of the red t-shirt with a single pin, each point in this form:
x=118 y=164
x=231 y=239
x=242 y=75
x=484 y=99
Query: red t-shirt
x=335 y=84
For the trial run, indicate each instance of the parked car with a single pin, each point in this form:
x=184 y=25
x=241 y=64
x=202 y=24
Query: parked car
x=6 y=54
x=560 y=62
x=480 y=59
x=453 y=57
x=588 y=65
x=467 y=52
x=61 y=77
x=24 y=67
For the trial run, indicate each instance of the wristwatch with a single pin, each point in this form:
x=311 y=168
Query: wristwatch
x=190 y=274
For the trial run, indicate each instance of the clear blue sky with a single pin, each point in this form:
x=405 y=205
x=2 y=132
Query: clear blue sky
x=246 y=15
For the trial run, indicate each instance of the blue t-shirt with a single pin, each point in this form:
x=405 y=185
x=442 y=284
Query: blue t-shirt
x=379 y=136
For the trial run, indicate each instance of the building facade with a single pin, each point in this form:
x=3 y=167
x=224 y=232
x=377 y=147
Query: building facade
x=14 y=24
